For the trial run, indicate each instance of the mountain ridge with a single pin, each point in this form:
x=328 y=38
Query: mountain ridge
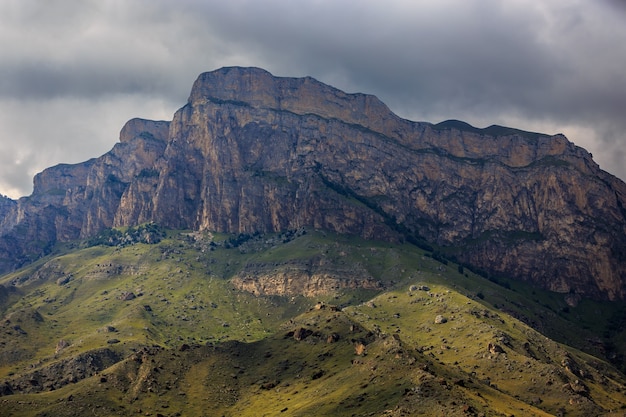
x=251 y=152
x=108 y=327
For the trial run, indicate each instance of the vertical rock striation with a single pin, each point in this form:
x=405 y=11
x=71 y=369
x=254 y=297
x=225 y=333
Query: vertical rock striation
x=253 y=152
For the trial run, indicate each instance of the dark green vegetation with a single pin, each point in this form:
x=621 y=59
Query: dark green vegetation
x=113 y=326
x=493 y=130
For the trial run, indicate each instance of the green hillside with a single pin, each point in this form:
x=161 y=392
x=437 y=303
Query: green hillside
x=113 y=326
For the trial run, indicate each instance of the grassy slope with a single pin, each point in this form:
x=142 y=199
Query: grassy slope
x=411 y=364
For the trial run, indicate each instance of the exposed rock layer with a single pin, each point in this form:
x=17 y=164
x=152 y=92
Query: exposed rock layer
x=252 y=152
x=308 y=278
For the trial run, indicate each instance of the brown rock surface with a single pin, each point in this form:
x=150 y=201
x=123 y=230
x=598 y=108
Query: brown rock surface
x=308 y=278
x=252 y=152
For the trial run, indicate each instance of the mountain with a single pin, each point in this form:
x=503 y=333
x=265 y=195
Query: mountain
x=284 y=248
x=113 y=326
x=253 y=153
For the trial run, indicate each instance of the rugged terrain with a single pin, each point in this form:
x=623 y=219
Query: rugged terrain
x=251 y=152
x=112 y=326
x=284 y=248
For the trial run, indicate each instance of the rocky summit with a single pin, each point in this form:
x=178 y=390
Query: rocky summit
x=251 y=152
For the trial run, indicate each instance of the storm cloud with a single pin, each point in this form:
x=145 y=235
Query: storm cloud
x=72 y=72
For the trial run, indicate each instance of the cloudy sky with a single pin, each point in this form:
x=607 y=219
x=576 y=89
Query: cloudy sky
x=72 y=72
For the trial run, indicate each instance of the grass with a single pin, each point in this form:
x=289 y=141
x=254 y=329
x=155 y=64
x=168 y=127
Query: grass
x=239 y=358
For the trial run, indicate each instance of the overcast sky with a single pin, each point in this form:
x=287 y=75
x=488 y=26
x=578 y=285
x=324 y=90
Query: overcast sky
x=72 y=72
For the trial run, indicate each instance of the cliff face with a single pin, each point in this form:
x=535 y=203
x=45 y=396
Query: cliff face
x=252 y=152
x=7 y=205
x=309 y=278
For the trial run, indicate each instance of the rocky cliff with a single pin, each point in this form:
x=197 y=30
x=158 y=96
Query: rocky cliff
x=251 y=152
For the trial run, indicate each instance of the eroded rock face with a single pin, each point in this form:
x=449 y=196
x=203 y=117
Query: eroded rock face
x=61 y=373
x=6 y=204
x=251 y=152
x=309 y=278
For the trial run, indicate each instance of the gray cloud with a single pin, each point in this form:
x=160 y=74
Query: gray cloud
x=72 y=72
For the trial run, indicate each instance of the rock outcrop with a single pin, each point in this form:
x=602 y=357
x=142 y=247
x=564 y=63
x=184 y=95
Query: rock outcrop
x=6 y=204
x=251 y=152
x=310 y=278
x=61 y=373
